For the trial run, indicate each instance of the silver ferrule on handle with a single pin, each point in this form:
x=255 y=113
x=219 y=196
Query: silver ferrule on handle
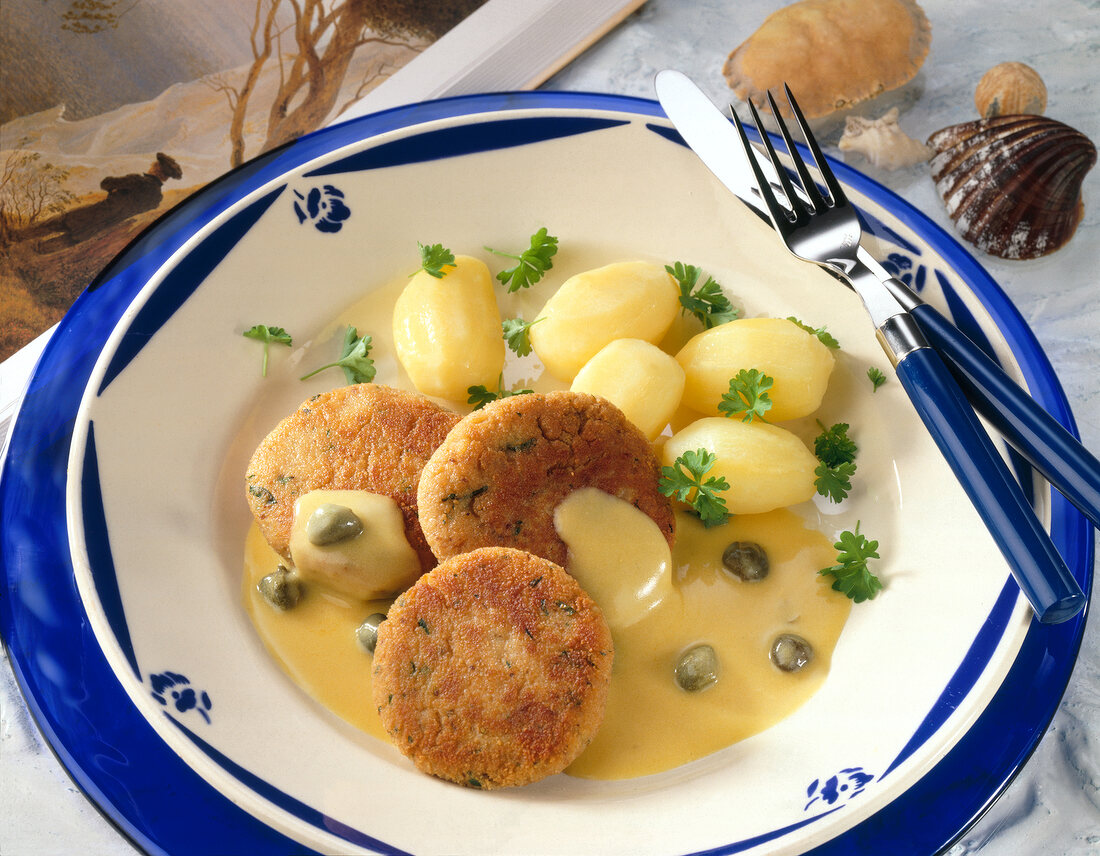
x=897 y=331
x=900 y=336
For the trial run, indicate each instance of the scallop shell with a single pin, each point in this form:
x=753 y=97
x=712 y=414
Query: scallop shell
x=1012 y=184
x=832 y=53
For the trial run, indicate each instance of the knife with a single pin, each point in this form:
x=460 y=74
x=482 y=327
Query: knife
x=1046 y=444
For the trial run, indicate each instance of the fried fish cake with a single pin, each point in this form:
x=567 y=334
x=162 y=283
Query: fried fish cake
x=498 y=476
x=493 y=669
x=359 y=437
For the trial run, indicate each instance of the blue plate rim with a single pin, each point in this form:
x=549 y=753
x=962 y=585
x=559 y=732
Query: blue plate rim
x=52 y=708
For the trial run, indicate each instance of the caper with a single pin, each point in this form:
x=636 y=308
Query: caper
x=697 y=669
x=366 y=634
x=791 y=653
x=281 y=588
x=330 y=524
x=746 y=560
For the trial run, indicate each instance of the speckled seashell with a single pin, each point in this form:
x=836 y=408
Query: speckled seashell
x=832 y=53
x=1012 y=184
x=1008 y=88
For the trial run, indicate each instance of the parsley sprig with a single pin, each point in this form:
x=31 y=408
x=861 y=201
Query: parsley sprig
x=833 y=446
x=706 y=302
x=837 y=453
x=354 y=359
x=480 y=395
x=834 y=482
x=684 y=480
x=824 y=336
x=851 y=575
x=531 y=264
x=267 y=335
x=877 y=378
x=748 y=396
x=517 y=333
x=433 y=259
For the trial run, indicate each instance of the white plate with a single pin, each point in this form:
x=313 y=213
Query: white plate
x=173 y=405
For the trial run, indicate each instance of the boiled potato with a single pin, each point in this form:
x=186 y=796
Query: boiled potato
x=447 y=331
x=625 y=300
x=639 y=378
x=796 y=361
x=767 y=467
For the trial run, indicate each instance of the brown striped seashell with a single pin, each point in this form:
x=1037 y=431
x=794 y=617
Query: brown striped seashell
x=1012 y=184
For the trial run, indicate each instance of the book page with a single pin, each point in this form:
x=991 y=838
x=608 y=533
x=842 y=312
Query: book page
x=505 y=45
x=113 y=116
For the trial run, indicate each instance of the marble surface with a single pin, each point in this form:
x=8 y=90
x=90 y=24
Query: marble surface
x=1053 y=806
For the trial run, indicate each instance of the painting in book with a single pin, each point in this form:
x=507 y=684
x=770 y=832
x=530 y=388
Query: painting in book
x=113 y=111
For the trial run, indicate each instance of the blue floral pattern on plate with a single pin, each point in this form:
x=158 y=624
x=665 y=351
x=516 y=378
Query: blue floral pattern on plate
x=324 y=207
x=844 y=785
x=175 y=690
x=902 y=267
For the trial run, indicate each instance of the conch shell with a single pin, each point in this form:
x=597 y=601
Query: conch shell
x=882 y=141
x=832 y=53
x=1012 y=184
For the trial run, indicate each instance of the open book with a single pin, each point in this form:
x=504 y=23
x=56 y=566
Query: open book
x=501 y=45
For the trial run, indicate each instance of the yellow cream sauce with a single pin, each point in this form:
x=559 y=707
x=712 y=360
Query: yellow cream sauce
x=658 y=605
x=315 y=641
x=651 y=724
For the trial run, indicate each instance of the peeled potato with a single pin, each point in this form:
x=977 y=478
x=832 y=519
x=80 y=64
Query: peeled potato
x=767 y=467
x=447 y=331
x=796 y=361
x=639 y=378
x=625 y=300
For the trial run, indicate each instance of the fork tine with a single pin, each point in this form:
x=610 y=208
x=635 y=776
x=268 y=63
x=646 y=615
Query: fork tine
x=775 y=208
x=817 y=202
x=780 y=172
x=835 y=190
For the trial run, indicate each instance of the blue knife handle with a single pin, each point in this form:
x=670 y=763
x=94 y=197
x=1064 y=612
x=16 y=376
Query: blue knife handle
x=1034 y=560
x=1037 y=435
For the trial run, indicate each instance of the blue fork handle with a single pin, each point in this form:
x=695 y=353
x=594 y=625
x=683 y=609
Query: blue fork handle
x=1034 y=560
x=1037 y=435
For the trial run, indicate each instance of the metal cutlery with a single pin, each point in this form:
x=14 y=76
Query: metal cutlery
x=1048 y=446
x=826 y=231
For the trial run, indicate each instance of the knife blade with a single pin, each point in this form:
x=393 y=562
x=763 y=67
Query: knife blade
x=1046 y=444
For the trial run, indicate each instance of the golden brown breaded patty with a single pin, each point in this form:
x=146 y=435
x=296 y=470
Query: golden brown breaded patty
x=498 y=476
x=492 y=670
x=359 y=437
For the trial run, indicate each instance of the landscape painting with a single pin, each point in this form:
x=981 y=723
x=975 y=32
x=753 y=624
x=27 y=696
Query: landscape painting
x=112 y=111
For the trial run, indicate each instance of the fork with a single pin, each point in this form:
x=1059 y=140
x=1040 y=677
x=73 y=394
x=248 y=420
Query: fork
x=825 y=229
